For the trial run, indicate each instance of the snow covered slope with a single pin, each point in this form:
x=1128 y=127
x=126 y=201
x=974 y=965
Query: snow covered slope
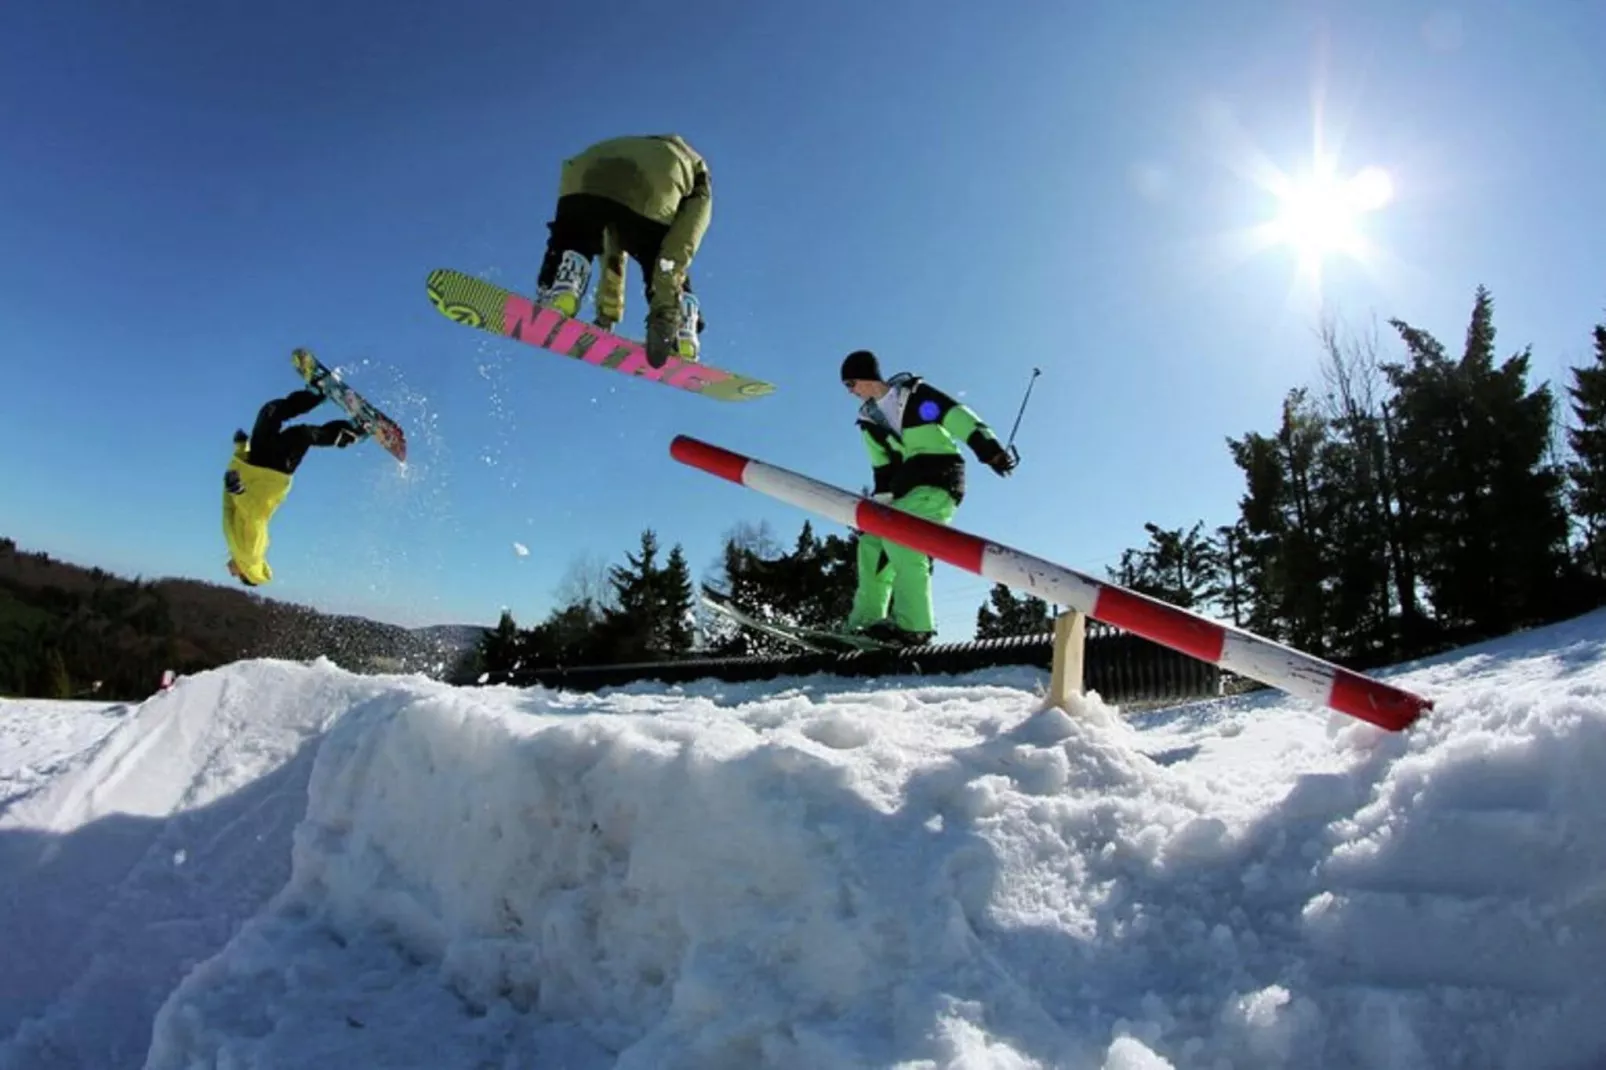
x=145 y=853
x=288 y=865
x=41 y=739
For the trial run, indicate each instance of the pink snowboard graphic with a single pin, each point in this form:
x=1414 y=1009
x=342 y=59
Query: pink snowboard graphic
x=477 y=303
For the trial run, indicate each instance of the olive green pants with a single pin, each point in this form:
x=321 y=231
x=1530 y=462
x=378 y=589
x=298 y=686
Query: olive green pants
x=890 y=572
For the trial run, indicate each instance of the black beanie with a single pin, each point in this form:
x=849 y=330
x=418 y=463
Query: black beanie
x=861 y=364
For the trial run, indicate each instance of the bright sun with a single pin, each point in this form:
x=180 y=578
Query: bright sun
x=1320 y=215
x=1316 y=214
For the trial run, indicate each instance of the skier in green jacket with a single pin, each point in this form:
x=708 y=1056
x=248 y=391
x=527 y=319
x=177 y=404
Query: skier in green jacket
x=912 y=432
x=646 y=197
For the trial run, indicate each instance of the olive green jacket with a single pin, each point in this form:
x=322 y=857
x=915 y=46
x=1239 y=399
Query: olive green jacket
x=661 y=178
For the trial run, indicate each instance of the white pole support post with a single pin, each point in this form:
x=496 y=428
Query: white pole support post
x=1070 y=637
x=1299 y=674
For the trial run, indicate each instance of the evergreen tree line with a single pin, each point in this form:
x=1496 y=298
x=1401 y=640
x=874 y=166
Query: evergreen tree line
x=73 y=632
x=645 y=610
x=1404 y=507
x=113 y=641
x=105 y=638
x=639 y=611
x=1407 y=506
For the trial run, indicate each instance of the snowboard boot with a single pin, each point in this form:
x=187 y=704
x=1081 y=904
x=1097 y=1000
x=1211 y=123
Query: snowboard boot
x=663 y=336
x=884 y=631
x=673 y=332
x=691 y=325
x=569 y=284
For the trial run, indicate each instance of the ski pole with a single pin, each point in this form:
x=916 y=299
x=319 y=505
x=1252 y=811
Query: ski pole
x=1010 y=445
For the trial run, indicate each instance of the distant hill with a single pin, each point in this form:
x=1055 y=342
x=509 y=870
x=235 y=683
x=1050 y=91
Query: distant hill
x=63 y=628
x=452 y=636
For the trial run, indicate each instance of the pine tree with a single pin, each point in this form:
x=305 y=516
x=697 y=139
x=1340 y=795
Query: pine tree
x=499 y=648
x=467 y=668
x=736 y=578
x=1228 y=592
x=793 y=578
x=675 y=625
x=1487 y=504
x=811 y=585
x=570 y=635
x=630 y=629
x=1285 y=535
x=1009 y=614
x=1587 y=471
x=1375 y=606
x=1261 y=526
x=823 y=574
x=1177 y=566
x=58 y=684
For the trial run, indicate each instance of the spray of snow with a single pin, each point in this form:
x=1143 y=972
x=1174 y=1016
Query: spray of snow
x=415 y=495
x=503 y=442
x=299 y=866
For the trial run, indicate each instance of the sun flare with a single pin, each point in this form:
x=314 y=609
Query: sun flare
x=1323 y=213
x=1320 y=216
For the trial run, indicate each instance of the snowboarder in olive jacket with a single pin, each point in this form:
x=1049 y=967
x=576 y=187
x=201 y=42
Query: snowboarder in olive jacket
x=646 y=197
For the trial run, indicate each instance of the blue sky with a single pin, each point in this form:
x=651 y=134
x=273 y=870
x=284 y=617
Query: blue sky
x=191 y=189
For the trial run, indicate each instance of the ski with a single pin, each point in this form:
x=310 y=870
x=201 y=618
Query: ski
x=814 y=640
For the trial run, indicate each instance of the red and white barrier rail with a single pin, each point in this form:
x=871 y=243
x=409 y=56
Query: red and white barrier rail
x=1233 y=649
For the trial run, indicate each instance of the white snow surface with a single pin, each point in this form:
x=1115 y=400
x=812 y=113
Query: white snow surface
x=41 y=739
x=282 y=865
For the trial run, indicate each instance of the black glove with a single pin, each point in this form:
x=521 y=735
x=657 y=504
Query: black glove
x=999 y=460
x=347 y=434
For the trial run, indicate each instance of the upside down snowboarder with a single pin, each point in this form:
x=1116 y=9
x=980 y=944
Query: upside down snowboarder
x=912 y=432
x=261 y=471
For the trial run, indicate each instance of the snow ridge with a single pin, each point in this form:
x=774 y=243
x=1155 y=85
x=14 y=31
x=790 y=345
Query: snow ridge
x=299 y=866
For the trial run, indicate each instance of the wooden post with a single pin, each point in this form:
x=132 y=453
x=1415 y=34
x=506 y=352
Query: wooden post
x=1070 y=630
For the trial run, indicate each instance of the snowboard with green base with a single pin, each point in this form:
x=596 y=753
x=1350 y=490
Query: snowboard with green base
x=476 y=303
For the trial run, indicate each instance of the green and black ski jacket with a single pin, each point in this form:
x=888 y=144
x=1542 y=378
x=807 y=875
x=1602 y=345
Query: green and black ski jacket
x=913 y=437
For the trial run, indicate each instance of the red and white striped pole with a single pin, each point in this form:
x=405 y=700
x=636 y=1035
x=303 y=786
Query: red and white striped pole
x=1274 y=664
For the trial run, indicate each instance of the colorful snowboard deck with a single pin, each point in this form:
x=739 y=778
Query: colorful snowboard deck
x=363 y=413
x=476 y=303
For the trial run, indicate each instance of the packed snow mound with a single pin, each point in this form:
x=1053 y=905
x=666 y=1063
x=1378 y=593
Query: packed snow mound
x=887 y=873
x=43 y=739
x=166 y=827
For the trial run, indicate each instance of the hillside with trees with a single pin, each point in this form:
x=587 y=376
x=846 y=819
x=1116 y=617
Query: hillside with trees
x=69 y=631
x=1408 y=506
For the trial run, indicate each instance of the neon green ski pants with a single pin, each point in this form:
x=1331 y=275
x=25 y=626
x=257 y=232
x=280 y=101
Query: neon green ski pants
x=890 y=572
